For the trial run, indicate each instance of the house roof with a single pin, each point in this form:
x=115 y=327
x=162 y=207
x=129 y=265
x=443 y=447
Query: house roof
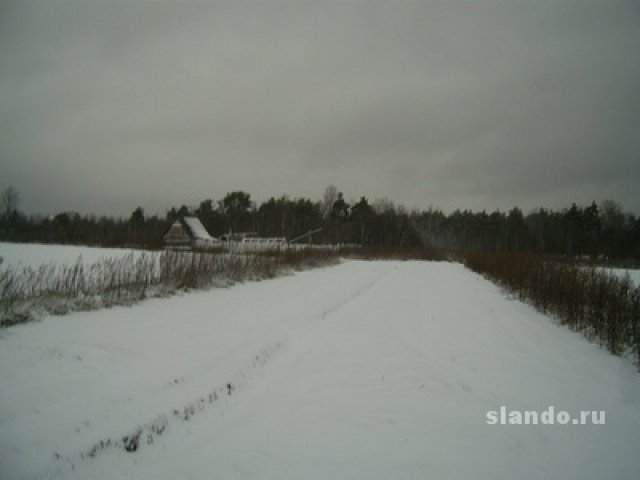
x=196 y=228
x=193 y=228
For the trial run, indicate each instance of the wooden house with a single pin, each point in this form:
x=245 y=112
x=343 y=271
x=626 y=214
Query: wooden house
x=188 y=233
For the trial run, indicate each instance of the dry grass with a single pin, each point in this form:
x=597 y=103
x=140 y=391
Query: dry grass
x=604 y=307
x=28 y=293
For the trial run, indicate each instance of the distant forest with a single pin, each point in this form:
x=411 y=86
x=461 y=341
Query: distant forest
x=602 y=231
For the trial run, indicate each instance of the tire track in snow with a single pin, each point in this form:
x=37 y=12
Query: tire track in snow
x=354 y=296
x=145 y=434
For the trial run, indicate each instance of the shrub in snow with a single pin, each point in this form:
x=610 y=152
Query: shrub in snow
x=604 y=307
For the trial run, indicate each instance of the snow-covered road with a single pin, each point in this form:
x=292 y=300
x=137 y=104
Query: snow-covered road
x=364 y=370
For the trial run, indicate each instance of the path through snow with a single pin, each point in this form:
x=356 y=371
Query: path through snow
x=364 y=370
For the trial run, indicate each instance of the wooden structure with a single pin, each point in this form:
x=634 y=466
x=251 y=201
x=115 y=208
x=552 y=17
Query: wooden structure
x=188 y=233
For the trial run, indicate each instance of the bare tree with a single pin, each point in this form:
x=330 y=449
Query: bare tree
x=9 y=201
x=612 y=215
x=384 y=205
x=328 y=199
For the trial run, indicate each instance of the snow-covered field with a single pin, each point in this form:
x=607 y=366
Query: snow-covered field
x=371 y=370
x=634 y=275
x=31 y=255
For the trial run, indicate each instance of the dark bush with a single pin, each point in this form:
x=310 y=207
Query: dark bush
x=602 y=306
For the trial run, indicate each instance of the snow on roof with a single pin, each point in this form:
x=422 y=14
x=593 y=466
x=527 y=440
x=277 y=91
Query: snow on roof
x=196 y=227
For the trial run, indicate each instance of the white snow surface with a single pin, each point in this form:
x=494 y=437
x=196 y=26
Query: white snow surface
x=634 y=275
x=366 y=370
x=18 y=255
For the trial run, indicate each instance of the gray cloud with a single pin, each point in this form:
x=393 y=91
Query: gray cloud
x=110 y=105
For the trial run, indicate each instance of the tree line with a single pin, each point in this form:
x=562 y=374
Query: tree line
x=594 y=231
x=603 y=230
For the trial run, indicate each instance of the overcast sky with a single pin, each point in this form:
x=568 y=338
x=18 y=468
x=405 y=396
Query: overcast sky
x=107 y=105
